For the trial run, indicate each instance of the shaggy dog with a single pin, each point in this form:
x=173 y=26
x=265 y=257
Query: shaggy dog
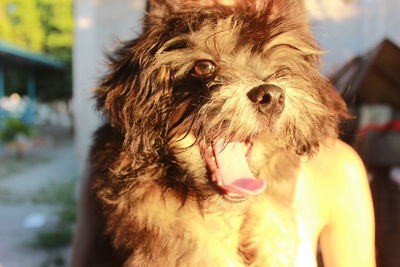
x=210 y=113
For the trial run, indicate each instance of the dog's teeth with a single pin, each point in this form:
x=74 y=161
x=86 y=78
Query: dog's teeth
x=235 y=197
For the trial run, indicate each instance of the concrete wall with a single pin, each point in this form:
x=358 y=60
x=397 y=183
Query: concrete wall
x=99 y=24
x=343 y=29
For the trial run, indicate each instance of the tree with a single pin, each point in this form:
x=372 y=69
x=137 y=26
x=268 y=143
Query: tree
x=20 y=24
x=57 y=23
x=44 y=26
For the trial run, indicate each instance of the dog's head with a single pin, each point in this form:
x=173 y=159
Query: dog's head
x=221 y=76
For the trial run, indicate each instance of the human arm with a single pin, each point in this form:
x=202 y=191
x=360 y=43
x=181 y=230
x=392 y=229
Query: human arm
x=347 y=239
x=87 y=228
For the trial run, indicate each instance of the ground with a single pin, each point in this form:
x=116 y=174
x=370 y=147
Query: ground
x=31 y=190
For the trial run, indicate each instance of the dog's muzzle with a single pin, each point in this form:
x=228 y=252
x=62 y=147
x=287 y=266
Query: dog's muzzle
x=268 y=98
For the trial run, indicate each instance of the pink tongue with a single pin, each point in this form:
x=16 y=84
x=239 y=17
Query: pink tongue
x=235 y=175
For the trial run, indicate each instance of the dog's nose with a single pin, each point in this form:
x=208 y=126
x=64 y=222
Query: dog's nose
x=268 y=97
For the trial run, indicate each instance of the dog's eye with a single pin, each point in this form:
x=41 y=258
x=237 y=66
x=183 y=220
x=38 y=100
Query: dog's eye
x=204 y=69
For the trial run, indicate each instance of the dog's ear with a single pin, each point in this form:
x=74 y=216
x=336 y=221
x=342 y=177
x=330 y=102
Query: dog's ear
x=159 y=8
x=135 y=96
x=156 y=10
x=162 y=8
x=279 y=8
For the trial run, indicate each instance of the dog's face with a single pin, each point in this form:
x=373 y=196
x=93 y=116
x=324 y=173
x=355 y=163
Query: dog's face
x=214 y=84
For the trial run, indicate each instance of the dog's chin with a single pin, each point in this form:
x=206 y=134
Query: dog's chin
x=226 y=165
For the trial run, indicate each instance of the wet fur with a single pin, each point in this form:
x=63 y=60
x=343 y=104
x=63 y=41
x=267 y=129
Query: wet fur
x=159 y=205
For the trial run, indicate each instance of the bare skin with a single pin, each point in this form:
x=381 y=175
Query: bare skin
x=337 y=207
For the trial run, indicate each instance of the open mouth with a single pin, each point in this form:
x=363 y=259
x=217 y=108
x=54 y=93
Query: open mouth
x=228 y=163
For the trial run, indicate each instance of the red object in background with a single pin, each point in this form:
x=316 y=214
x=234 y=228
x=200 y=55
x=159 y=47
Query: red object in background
x=393 y=125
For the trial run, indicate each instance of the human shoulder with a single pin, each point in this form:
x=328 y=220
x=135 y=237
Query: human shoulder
x=340 y=164
x=344 y=184
x=336 y=175
x=347 y=201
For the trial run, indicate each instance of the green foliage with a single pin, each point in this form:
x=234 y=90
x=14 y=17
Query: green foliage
x=11 y=127
x=44 y=26
x=57 y=23
x=55 y=261
x=20 y=24
x=53 y=239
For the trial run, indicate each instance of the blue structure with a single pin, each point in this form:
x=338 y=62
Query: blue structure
x=2 y=81
x=22 y=60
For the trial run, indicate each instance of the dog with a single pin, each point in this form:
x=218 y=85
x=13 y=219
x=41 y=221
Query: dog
x=210 y=113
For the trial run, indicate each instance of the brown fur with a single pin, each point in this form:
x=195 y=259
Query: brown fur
x=160 y=207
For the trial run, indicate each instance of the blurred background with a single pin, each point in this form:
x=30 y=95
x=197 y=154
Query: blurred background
x=52 y=55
